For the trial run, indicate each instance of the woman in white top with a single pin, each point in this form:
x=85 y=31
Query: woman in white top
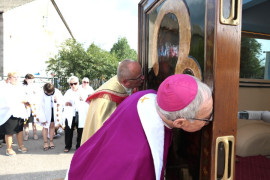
x=87 y=90
x=49 y=113
x=75 y=111
x=13 y=113
x=31 y=95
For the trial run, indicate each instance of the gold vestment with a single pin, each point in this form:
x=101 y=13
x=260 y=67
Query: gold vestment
x=102 y=106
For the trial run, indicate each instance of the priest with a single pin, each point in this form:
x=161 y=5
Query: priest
x=106 y=98
x=133 y=143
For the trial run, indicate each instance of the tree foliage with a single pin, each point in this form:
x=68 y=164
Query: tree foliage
x=250 y=64
x=123 y=51
x=94 y=63
x=69 y=61
x=103 y=64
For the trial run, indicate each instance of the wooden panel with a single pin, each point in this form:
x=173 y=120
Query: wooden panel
x=256 y=99
x=222 y=71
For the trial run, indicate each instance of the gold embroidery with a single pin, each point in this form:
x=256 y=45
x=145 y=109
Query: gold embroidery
x=144 y=98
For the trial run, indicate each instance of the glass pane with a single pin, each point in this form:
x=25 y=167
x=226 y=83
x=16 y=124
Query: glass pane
x=168 y=45
x=167 y=50
x=226 y=8
x=255 y=56
x=153 y=82
x=197 y=20
x=183 y=160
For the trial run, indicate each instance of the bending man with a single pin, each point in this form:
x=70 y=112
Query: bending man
x=133 y=143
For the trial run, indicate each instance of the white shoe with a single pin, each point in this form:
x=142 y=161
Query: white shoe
x=26 y=137
x=35 y=137
x=57 y=135
x=11 y=153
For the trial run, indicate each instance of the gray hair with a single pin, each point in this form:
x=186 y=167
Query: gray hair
x=75 y=78
x=85 y=79
x=123 y=70
x=192 y=109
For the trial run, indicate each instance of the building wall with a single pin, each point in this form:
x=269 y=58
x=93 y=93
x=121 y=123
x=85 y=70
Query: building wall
x=32 y=34
x=1 y=44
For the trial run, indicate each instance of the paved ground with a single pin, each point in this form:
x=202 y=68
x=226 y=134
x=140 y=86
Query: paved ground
x=36 y=163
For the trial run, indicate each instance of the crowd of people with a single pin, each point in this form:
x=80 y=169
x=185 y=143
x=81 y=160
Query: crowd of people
x=27 y=103
x=117 y=125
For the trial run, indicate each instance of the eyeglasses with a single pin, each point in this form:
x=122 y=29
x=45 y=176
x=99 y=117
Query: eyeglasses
x=49 y=94
x=208 y=120
x=71 y=84
x=138 y=78
x=85 y=82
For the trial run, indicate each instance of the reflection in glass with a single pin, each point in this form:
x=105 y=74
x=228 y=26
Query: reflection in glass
x=227 y=8
x=168 y=45
x=188 y=71
x=168 y=38
x=255 y=56
x=167 y=49
x=183 y=160
x=151 y=26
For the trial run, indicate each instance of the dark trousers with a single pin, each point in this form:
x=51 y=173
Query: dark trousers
x=2 y=132
x=69 y=134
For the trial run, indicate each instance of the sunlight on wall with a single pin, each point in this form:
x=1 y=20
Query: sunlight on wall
x=32 y=34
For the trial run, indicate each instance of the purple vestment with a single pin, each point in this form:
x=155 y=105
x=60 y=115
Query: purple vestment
x=119 y=149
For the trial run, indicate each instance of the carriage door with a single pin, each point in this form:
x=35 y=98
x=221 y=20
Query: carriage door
x=200 y=38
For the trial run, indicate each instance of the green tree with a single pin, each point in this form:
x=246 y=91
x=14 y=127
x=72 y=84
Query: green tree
x=102 y=64
x=95 y=63
x=250 y=64
x=123 y=51
x=70 y=60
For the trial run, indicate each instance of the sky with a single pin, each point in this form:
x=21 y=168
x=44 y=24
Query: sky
x=101 y=21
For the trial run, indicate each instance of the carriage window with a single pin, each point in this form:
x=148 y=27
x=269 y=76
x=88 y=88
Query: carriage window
x=255 y=42
x=255 y=57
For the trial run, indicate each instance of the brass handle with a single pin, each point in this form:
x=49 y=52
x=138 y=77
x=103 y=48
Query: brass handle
x=233 y=18
x=224 y=159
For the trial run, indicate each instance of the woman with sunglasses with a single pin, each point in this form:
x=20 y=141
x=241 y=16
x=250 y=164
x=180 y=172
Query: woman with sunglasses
x=75 y=111
x=87 y=90
x=49 y=113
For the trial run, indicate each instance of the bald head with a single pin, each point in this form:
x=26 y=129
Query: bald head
x=129 y=73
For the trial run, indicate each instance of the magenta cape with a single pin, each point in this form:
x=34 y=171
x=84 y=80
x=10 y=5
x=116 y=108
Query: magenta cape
x=119 y=149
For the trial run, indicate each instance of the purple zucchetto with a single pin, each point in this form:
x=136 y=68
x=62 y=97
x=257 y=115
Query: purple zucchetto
x=176 y=92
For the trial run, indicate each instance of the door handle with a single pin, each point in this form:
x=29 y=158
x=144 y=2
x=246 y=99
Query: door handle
x=224 y=158
x=232 y=9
